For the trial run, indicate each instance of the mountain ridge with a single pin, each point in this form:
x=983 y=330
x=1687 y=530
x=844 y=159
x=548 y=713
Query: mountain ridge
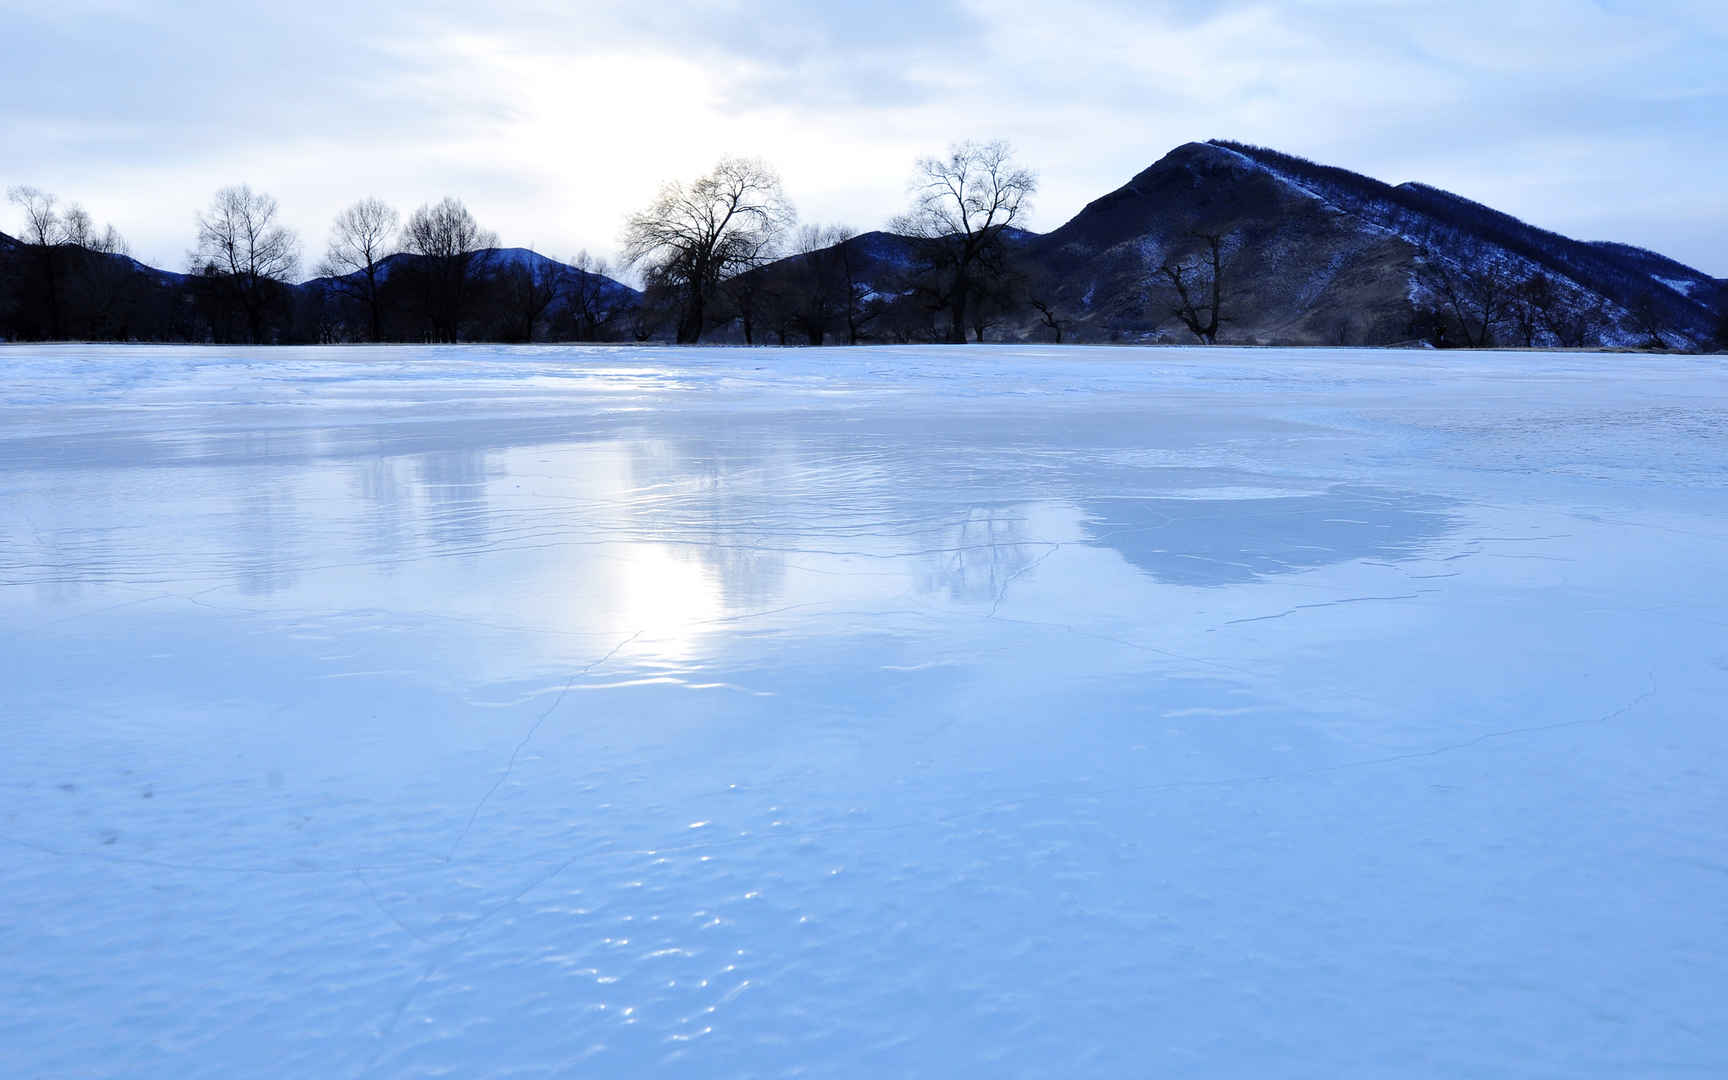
x=1311 y=254
x=1323 y=255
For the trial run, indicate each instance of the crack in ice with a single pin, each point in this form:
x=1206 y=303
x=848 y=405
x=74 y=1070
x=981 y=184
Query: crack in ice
x=510 y=767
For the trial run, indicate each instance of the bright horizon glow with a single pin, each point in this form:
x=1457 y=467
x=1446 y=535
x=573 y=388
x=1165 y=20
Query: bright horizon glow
x=1603 y=121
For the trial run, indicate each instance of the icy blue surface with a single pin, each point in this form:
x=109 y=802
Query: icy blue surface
x=1008 y=712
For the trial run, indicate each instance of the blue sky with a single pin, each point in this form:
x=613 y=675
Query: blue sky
x=555 y=120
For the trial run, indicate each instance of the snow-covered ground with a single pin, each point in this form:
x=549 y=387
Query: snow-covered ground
x=998 y=712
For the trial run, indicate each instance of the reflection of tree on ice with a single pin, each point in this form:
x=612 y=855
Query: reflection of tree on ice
x=983 y=553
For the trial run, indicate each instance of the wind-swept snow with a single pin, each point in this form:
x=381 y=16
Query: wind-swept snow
x=1011 y=712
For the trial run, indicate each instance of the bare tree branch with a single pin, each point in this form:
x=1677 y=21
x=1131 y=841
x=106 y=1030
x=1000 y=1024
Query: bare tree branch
x=961 y=207
x=454 y=252
x=697 y=235
x=1198 y=284
x=361 y=238
x=250 y=253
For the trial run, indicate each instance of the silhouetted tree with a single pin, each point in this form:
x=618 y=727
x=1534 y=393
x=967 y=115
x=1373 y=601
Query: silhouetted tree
x=1048 y=316
x=43 y=236
x=1577 y=323
x=454 y=253
x=103 y=283
x=1649 y=320
x=748 y=292
x=1195 y=285
x=253 y=256
x=1475 y=295
x=660 y=307
x=995 y=288
x=696 y=236
x=594 y=301
x=817 y=286
x=361 y=238
x=861 y=307
x=962 y=207
x=528 y=289
x=80 y=231
x=1530 y=305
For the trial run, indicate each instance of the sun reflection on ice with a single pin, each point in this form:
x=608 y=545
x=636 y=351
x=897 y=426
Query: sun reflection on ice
x=667 y=596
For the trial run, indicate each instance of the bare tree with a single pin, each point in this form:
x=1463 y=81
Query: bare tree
x=1196 y=285
x=1475 y=295
x=361 y=238
x=454 y=253
x=1576 y=324
x=79 y=283
x=696 y=236
x=818 y=286
x=962 y=205
x=1648 y=319
x=996 y=287
x=861 y=306
x=42 y=224
x=1530 y=305
x=253 y=256
x=529 y=289
x=76 y=227
x=44 y=233
x=1048 y=315
x=659 y=307
x=103 y=278
x=747 y=291
x=594 y=300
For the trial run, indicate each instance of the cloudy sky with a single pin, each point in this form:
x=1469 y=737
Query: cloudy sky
x=553 y=121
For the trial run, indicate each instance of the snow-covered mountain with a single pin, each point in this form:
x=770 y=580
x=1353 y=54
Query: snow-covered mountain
x=491 y=261
x=1321 y=255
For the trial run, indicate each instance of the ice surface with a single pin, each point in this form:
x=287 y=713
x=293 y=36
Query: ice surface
x=1008 y=712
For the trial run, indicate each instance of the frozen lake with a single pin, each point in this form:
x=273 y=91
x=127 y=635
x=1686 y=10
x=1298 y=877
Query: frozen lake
x=927 y=712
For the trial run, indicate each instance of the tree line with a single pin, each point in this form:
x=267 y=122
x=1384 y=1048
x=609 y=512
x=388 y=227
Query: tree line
x=435 y=277
x=723 y=253
x=722 y=256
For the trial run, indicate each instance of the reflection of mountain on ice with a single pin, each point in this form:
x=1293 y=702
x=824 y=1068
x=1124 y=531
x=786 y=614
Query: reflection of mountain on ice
x=1227 y=541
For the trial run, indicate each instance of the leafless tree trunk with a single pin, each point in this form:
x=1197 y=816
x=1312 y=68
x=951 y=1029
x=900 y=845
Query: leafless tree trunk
x=995 y=286
x=961 y=207
x=362 y=237
x=696 y=236
x=252 y=254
